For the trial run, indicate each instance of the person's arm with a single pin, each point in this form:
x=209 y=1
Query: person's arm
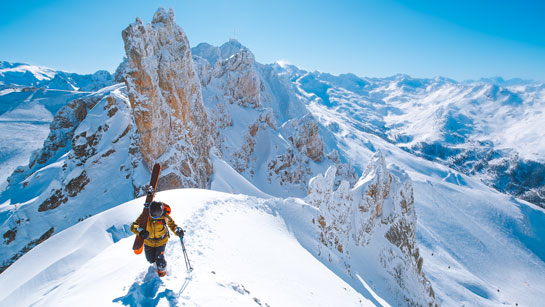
x=135 y=225
x=172 y=225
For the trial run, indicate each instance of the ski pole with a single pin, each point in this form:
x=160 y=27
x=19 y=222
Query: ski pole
x=187 y=264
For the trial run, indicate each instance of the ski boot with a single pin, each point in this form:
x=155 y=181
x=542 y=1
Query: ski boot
x=161 y=267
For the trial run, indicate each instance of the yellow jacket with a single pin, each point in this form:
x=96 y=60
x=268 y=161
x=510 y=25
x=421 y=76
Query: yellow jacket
x=158 y=233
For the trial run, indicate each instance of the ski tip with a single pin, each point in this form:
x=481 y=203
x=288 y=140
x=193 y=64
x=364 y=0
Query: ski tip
x=138 y=251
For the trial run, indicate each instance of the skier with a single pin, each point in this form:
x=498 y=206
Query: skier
x=156 y=234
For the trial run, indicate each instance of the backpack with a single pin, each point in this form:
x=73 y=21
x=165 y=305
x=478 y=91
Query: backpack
x=166 y=209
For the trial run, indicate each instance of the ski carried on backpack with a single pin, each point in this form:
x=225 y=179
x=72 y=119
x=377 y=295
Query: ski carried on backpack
x=150 y=192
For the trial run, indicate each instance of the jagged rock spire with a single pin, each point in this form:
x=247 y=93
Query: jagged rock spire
x=376 y=218
x=166 y=98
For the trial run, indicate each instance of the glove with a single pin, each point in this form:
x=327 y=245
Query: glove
x=180 y=232
x=144 y=234
x=149 y=191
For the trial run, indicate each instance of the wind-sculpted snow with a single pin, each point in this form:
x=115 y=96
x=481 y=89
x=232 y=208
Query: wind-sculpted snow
x=165 y=95
x=264 y=260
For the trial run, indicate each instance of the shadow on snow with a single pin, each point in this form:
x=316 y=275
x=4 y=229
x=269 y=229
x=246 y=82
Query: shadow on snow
x=147 y=292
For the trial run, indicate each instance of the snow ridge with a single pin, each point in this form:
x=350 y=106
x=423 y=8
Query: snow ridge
x=374 y=220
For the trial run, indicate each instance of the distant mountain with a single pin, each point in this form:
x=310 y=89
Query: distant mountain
x=30 y=96
x=509 y=82
x=24 y=75
x=478 y=128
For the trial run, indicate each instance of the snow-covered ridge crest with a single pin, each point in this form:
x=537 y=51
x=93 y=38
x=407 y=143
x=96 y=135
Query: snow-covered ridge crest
x=165 y=95
x=375 y=219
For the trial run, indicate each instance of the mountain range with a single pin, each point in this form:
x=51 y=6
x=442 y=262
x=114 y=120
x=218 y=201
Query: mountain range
x=401 y=191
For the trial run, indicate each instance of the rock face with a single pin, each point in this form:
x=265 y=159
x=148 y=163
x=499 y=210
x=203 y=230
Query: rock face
x=165 y=95
x=264 y=131
x=373 y=220
x=90 y=162
x=242 y=84
x=304 y=135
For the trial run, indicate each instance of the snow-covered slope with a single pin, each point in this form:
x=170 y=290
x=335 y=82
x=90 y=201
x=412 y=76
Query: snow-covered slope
x=264 y=130
x=478 y=128
x=248 y=251
x=243 y=254
x=480 y=247
x=88 y=163
x=29 y=98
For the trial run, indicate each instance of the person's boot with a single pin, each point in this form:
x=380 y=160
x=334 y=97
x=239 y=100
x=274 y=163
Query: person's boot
x=161 y=264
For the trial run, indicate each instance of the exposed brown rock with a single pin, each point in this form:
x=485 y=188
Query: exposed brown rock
x=77 y=184
x=242 y=82
x=25 y=249
x=304 y=134
x=165 y=95
x=55 y=200
x=62 y=128
x=380 y=204
x=9 y=236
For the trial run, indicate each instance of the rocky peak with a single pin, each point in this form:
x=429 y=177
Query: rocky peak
x=374 y=218
x=248 y=102
x=242 y=81
x=303 y=133
x=165 y=95
x=164 y=16
x=207 y=52
x=230 y=48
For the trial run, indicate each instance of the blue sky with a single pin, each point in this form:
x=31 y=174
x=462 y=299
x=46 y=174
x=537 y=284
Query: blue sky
x=456 y=39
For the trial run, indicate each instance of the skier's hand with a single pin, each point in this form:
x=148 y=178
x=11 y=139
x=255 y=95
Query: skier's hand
x=144 y=234
x=180 y=232
x=149 y=191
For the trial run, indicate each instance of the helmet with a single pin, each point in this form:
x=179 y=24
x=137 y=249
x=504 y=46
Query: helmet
x=156 y=209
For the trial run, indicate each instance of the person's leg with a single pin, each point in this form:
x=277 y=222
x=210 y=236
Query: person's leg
x=150 y=253
x=160 y=258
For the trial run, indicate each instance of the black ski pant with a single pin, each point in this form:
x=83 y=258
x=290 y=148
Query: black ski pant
x=157 y=255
